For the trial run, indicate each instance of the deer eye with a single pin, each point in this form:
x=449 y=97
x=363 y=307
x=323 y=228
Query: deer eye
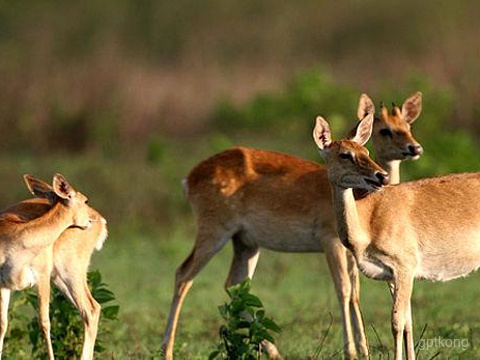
x=386 y=132
x=346 y=156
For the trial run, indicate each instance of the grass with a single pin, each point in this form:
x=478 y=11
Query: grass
x=295 y=288
x=139 y=194
x=140 y=258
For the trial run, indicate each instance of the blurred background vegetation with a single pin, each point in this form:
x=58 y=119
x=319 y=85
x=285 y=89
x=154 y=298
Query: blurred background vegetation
x=123 y=92
x=124 y=97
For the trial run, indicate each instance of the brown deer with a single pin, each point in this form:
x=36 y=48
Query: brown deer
x=265 y=199
x=426 y=229
x=65 y=261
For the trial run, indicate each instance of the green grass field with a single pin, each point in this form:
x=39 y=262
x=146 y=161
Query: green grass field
x=151 y=232
x=138 y=262
x=295 y=288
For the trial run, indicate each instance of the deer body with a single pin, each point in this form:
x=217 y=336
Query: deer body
x=425 y=241
x=261 y=199
x=30 y=239
x=265 y=199
x=65 y=261
x=421 y=229
x=67 y=265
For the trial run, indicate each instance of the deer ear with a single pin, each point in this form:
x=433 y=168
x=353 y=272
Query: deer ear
x=412 y=107
x=365 y=106
x=322 y=134
x=39 y=188
x=383 y=111
x=62 y=188
x=362 y=132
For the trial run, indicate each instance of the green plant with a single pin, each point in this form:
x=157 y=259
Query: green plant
x=246 y=325
x=66 y=323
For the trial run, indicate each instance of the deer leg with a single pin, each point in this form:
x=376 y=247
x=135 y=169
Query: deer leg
x=408 y=331
x=44 y=311
x=207 y=244
x=244 y=262
x=337 y=263
x=361 y=341
x=4 y=301
x=403 y=286
x=75 y=288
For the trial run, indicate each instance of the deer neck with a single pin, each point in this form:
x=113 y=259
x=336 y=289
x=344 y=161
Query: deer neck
x=44 y=230
x=393 y=169
x=350 y=228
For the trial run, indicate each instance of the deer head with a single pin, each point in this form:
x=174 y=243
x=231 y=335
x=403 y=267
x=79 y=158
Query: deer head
x=348 y=162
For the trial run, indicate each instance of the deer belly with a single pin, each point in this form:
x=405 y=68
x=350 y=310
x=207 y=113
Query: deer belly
x=447 y=268
x=447 y=256
x=285 y=236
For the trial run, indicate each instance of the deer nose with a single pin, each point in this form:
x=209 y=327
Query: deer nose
x=415 y=150
x=382 y=177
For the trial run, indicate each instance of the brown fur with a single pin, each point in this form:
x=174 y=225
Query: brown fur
x=276 y=201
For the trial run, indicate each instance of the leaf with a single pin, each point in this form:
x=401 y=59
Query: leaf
x=230 y=292
x=213 y=354
x=270 y=325
x=103 y=295
x=237 y=307
x=252 y=300
x=246 y=285
x=266 y=336
x=94 y=278
x=223 y=310
x=250 y=311
x=111 y=312
x=243 y=324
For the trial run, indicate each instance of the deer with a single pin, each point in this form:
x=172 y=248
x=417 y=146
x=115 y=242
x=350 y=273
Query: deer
x=262 y=198
x=65 y=260
x=424 y=229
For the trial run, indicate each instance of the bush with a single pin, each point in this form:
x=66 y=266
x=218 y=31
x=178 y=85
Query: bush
x=292 y=109
x=246 y=325
x=66 y=323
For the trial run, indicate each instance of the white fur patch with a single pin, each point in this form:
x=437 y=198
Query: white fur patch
x=17 y=280
x=103 y=235
x=375 y=270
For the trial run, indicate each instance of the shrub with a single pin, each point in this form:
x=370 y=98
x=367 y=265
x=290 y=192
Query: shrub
x=66 y=323
x=246 y=325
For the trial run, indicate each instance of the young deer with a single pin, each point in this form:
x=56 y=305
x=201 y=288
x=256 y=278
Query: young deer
x=265 y=199
x=426 y=229
x=65 y=260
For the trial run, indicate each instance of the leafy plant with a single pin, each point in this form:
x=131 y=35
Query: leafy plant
x=246 y=325
x=66 y=323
